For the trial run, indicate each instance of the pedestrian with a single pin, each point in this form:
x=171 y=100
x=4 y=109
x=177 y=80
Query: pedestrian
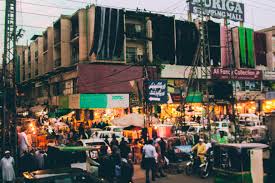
x=127 y=169
x=114 y=141
x=149 y=153
x=24 y=144
x=7 y=166
x=124 y=148
x=106 y=140
x=163 y=146
x=81 y=131
x=159 y=162
x=116 y=159
x=106 y=165
x=39 y=156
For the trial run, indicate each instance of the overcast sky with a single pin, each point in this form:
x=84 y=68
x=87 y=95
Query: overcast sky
x=258 y=13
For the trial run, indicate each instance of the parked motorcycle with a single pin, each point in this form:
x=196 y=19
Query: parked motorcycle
x=207 y=166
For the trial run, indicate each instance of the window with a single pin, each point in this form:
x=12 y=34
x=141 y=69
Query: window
x=131 y=54
x=134 y=30
x=74 y=86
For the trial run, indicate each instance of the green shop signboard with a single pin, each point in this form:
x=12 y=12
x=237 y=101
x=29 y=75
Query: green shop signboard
x=91 y=101
x=194 y=97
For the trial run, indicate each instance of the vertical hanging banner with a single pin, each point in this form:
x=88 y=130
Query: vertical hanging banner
x=218 y=9
x=157 y=91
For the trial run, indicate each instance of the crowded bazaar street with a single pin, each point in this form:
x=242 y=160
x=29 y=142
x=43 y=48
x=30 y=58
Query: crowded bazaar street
x=137 y=91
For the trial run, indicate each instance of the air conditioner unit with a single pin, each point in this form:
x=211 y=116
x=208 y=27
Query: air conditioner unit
x=139 y=54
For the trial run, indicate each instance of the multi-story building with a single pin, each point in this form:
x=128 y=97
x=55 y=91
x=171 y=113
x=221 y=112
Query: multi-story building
x=93 y=62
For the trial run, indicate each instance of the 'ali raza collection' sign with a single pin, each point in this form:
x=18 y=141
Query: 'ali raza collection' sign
x=238 y=74
x=157 y=91
x=219 y=9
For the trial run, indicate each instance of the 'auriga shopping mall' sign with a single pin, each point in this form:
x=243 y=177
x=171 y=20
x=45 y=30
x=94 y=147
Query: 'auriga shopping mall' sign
x=219 y=9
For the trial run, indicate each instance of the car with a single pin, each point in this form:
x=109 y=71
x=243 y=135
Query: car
x=95 y=145
x=115 y=129
x=64 y=175
x=108 y=134
x=220 y=125
x=255 y=134
x=195 y=130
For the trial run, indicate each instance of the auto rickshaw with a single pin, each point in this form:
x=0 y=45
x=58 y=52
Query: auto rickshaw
x=72 y=157
x=239 y=163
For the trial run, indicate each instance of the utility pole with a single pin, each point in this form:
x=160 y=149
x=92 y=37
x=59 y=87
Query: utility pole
x=231 y=59
x=202 y=58
x=9 y=133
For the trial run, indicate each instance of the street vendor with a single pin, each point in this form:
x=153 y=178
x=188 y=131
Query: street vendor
x=201 y=149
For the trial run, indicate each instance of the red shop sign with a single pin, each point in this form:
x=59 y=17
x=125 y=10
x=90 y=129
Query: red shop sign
x=238 y=74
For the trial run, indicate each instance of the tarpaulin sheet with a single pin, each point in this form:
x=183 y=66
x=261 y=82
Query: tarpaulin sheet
x=108 y=33
x=214 y=42
x=260 y=48
x=226 y=47
x=242 y=46
x=236 y=46
x=187 y=39
x=97 y=78
x=163 y=39
x=250 y=47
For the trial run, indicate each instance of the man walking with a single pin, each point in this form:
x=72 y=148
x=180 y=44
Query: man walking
x=7 y=164
x=149 y=154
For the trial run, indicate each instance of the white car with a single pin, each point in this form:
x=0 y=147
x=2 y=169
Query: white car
x=195 y=130
x=95 y=145
x=221 y=125
x=108 y=134
x=115 y=129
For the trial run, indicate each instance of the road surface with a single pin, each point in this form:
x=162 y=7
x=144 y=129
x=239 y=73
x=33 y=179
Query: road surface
x=139 y=177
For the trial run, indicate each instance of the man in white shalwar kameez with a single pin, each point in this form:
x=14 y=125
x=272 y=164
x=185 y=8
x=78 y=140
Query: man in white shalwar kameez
x=7 y=164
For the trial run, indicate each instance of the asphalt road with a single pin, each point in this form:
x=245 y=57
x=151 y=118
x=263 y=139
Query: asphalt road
x=139 y=177
x=180 y=178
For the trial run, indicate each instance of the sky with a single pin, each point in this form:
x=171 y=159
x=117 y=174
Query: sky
x=259 y=14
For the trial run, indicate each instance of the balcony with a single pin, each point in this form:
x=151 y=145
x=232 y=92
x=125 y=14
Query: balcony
x=135 y=31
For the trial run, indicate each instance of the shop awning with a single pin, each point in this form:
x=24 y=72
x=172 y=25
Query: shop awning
x=37 y=108
x=132 y=119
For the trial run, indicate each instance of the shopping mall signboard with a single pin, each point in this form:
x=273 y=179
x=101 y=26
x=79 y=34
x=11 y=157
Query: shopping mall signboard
x=218 y=9
x=236 y=74
x=157 y=91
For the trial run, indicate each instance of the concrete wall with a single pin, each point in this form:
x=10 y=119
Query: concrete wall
x=83 y=37
x=50 y=59
x=91 y=25
x=27 y=68
x=21 y=54
x=40 y=66
x=66 y=27
x=149 y=34
x=32 y=68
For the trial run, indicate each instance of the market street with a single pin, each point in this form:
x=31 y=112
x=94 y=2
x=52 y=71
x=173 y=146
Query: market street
x=179 y=178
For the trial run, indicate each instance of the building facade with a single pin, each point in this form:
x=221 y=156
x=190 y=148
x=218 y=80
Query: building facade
x=94 y=60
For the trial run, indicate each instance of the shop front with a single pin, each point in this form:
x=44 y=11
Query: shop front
x=96 y=107
x=269 y=104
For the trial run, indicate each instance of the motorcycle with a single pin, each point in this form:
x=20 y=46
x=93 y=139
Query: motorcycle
x=192 y=165
x=207 y=166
